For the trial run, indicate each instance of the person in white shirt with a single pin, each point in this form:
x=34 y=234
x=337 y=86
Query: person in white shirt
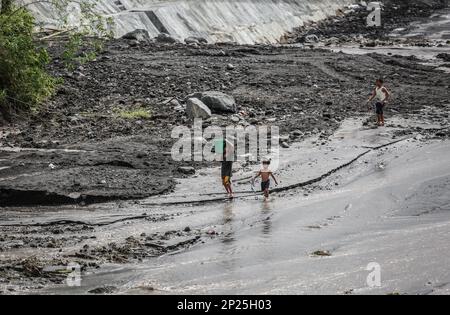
x=382 y=94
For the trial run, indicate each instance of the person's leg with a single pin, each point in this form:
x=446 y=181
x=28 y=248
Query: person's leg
x=225 y=184
x=230 y=190
x=379 y=111
x=265 y=189
x=382 y=119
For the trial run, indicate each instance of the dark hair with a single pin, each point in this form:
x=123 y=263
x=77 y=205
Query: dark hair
x=266 y=162
x=380 y=80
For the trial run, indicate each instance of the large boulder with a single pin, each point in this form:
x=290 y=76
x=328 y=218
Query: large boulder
x=311 y=38
x=165 y=38
x=195 y=108
x=187 y=170
x=139 y=35
x=217 y=102
x=444 y=56
x=195 y=40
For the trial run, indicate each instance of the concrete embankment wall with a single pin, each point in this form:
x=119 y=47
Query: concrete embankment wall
x=241 y=21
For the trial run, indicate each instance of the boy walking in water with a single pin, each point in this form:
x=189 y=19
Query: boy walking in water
x=227 y=167
x=382 y=94
x=265 y=173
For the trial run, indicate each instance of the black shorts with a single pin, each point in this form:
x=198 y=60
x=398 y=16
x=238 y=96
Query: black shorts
x=265 y=185
x=379 y=108
x=227 y=168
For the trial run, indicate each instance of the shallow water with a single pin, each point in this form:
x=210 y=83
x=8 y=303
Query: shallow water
x=367 y=212
x=266 y=247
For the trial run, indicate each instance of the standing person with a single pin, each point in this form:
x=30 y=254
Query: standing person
x=382 y=94
x=227 y=166
x=265 y=173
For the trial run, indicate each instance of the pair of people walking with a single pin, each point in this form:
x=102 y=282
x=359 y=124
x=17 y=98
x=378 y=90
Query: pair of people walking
x=227 y=171
x=380 y=92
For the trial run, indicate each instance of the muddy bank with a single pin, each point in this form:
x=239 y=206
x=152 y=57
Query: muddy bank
x=71 y=243
x=120 y=168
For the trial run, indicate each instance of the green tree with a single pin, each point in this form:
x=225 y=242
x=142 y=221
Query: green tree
x=24 y=80
x=6 y=6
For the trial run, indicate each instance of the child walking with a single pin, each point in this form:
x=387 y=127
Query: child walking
x=265 y=173
x=227 y=166
x=382 y=94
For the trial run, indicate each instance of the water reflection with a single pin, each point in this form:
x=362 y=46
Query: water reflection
x=228 y=231
x=266 y=212
x=228 y=241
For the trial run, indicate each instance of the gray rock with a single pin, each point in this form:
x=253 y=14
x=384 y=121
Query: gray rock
x=134 y=43
x=191 y=40
x=174 y=102
x=165 y=38
x=311 y=39
x=217 y=102
x=103 y=290
x=139 y=35
x=195 y=108
x=235 y=118
x=444 y=56
x=188 y=170
x=195 y=40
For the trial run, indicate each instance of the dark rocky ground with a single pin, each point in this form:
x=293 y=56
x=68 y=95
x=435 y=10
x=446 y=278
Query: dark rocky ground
x=65 y=243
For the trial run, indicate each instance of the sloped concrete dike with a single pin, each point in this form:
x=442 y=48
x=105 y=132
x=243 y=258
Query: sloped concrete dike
x=242 y=21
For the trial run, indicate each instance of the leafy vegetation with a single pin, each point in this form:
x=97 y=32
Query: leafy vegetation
x=24 y=80
x=139 y=113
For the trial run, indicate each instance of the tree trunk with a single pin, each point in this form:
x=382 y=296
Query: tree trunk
x=6 y=6
x=4 y=115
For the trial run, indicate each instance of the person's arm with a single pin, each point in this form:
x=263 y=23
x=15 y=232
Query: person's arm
x=229 y=148
x=387 y=94
x=374 y=93
x=276 y=182
x=257 y=175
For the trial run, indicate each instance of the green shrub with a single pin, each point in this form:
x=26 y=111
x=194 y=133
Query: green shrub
x=24 y=81
x=139 y=113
